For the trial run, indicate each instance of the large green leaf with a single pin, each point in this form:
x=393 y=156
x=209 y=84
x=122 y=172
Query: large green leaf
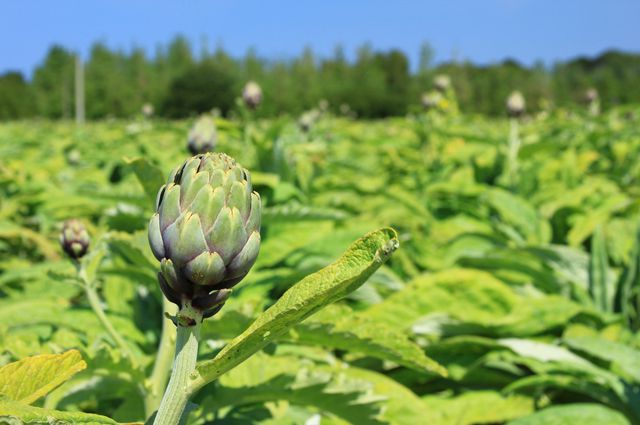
x=462 y=301
x=300 y=382
x=340 y=328
x=574 y=414
x=14 y=413
x=623 y=359
x=58 y=312
x=328 y=285
x=473 y=408
x=599 y=288
x=29 y=379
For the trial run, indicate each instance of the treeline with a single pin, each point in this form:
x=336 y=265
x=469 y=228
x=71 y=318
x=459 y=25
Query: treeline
x=178 y=82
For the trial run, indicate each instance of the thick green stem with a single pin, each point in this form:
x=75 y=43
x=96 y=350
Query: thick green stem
x=162 y=366
x=177 y=394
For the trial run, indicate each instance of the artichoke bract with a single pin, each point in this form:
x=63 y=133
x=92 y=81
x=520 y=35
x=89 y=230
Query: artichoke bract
x=74 y=239
x=205 y=232
x=202 y=136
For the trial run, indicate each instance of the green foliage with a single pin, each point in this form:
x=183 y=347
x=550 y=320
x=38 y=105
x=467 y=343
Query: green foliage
x=27 y=380
x=506 y=303
x=303 y=299
x=587 y=414
x=181 y=83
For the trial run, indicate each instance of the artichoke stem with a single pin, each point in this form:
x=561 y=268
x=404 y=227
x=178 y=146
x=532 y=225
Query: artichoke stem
x=162 y=366
x=514 y=148
x=96 y=306
x=177 y=394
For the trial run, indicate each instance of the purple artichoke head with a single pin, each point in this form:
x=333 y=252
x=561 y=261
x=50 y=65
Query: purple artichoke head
x=205 y=232
x=74 y=239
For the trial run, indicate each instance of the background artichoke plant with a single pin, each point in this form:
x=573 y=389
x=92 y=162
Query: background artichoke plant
x=202 y=136
x=74 y=238
x=252 y=94
x=515 y=104
x=205 y=232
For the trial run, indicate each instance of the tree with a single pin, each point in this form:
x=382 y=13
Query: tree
x=16 y=100
x=53 y=84
x=203 y=87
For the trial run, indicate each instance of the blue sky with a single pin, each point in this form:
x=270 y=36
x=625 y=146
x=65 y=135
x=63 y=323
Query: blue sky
x=482 y=31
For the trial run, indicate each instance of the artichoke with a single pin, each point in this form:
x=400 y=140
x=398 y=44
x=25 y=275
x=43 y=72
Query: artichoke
x=74 y=239
x=430 y=100
x=591 y=95
x=515 y=104
x=252 y=94
x=307 y=119
x=202 y=136
x=147 y=110
x=442 y=82
x=205 y=232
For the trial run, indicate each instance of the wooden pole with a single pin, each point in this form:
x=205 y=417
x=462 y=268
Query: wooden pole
x=79 y=86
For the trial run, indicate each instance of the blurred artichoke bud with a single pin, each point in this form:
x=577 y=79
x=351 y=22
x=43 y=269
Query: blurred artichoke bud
x=252 y=94
x=515 y=104
x=591 y=95
x=430 y=100
x=202 y=136
x=442 y=82
x=323 y=105
x=147 y=110
x=206 y=231
x=307 y=119
x=74 y=238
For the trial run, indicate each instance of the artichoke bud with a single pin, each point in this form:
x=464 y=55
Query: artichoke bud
x=442 y=82
x=205 y=232
x=147 y=110
x=591 y=95
x=430 y=100
x=74 y=239
x=515 y=104
x=252 y=94
x=202 y=136
x=308 y=119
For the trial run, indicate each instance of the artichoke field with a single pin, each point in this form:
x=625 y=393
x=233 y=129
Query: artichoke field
x=513 y=298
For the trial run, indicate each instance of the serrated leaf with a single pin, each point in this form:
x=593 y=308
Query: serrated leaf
x=309 y=295
x=29 y=379
x=574 y=414
x=301 y=383
x=470 y=301
x=341 y=329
